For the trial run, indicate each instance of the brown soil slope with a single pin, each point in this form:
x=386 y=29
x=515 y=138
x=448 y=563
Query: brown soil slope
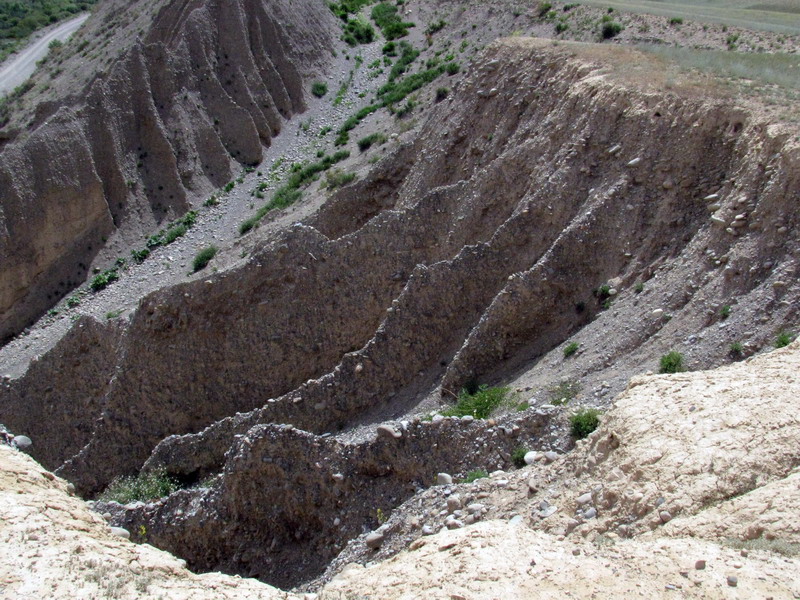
x=188 y=87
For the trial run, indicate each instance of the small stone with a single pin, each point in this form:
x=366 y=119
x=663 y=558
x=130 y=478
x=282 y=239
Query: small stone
x=467 y=419
x=700 y=565
x=634 y=162
x=532 y=486
x=744 y=553
x=733 y=581
x=590 y=513
x=584 y=499
x=576 y=552
x=389 y=432
x=658 y=313
x=453 y=503
x=515 y=520
x=452 y=523
x=22 y=442
x=475 y=507
x=375 y=540
x=665 y=516
x=427 y=530
x=121 y=532
x=444 y=479
x=550 y=456
x=338 y=477
x=531 y=457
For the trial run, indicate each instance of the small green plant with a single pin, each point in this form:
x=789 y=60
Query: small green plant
x=452 y=68
x=564 y=392
x=142 y=488
x=113 y=314
x=442 y=93
x=518 y=457
x=543 y=8
x=561 y=26
x=366 y=142
x=725 y=312
x=338 y=178
x=380 y=516
x=479 y=404
x=736 y=350
x=103 y=280
x=784 y=339
x=73 y=301
x=676 y=21
x=319 y=89
x=671 y=362
x=139 y=256
x=204 y=257
x=475 y=475
x=436 y=26
x=610 y=29
x=229 y=186
x=639 y=288
x=584 y=422
x=571 y=349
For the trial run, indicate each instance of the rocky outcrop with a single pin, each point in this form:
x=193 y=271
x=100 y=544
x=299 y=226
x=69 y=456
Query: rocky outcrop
x=195 y=85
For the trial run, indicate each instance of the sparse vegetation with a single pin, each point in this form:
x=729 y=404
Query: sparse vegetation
x=435 y=27
x=479 y=404
x=475 y=475
x=73 y=301
x=368 y=141
x=204 y=257
x=173 y=231
x=442 y=93
x=671 y=362
x=639 y=287
x=518 y=457
x=736 y=350
x=584 y=422
x=784 y=339
x=319 y=89
x=104 y=279
x=391 y=25
x=290 y=192
x=725 y=312
x=676 y=21
x=142 y=488
x=777 y=546
x=570 y=349
x=610 y=29
x=337 y=178
x=564 y=392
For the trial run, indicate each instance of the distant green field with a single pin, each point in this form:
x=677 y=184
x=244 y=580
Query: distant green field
x=782 y=16
x=20 y=18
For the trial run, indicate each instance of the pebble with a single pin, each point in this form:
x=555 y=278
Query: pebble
x=375 y=539
x=531 y=457
x=475 y=507
x=590 y=513
x=665 y=516
x=733 y=581
x=22 y=442
x=389 y=432
x=121 y=532
x=427 y=530
x=700 y=565
x=584 y=498
x=453 y=503
x=444 y=479
x=659 y=312
x=452 y=523
x=550 y=456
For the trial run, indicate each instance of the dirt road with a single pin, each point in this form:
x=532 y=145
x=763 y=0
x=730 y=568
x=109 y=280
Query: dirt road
x=21 y=66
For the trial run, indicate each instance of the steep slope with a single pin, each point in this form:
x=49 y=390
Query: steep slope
x=472 y=252
x=188 y=87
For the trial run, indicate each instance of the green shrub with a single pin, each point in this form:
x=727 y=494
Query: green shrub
x=518 y=457
x=543 y=8
x=736 y=350
x=725 y=312
x=139 y=256
x=319 y=89
x=357 y=31
x=390 y=49
x=337 y=178
x=610 y=29
x=442 y=93
x=639 y=288
x=229 y=186
x=479 y=404
x=561 y=27
x=436 y=26
x=204 y=257
x=584 y=422
x=475 y=475
x=672 y=362
x=452 y=68
x=676 y=21
x=784 y=339
x=73 y=301
x=144 y=487
x=570 y=349
x=391 y=25
x=104 y=279
x=366 y=142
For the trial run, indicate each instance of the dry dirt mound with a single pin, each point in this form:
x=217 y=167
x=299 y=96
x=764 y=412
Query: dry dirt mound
x=52 y=546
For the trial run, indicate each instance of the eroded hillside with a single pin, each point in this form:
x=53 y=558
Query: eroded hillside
x=184 y=88
x=471 y=252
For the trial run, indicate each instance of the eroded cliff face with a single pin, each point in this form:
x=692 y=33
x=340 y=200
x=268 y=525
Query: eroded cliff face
x=196 y=88
x=472 y=253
